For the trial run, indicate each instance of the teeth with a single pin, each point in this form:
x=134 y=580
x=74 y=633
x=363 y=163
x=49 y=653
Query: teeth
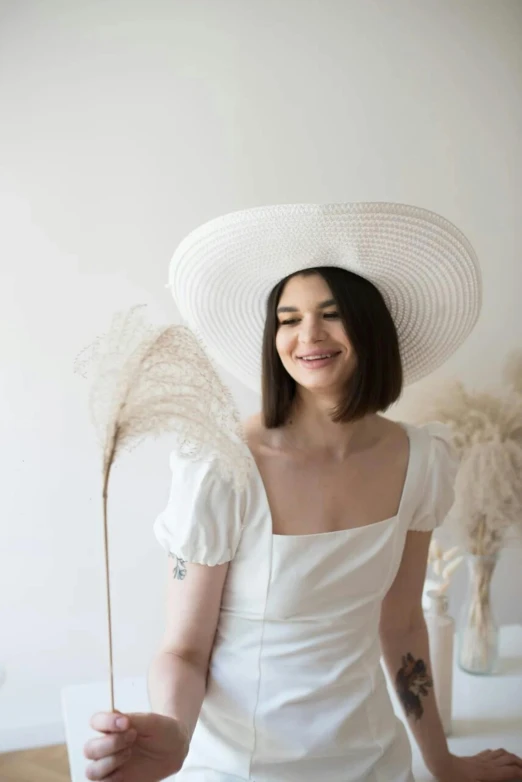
x=315 y=358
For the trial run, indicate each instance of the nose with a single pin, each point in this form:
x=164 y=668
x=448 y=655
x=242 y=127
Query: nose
x=311 y=330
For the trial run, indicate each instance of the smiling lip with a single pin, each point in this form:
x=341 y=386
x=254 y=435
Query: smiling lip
x=318 y=359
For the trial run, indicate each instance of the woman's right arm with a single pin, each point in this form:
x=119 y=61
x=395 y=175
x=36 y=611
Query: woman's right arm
x=178 y=673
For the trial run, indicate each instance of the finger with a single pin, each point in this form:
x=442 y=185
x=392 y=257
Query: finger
x=103 y=768
x=103 y=746
x=507 y=758
x=499 y=774
x=109 y=722
x=510 y=762
x=511 y=773
x=118 y=776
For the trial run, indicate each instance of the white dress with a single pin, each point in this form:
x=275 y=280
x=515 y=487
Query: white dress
x=296 y=691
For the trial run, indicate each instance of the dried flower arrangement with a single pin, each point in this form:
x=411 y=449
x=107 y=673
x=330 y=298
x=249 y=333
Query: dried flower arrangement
x=487 y=435
x=149 y=380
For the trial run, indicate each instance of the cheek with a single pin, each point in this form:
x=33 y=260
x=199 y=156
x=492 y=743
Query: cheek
x=282 y=342
x=337 y=331
x=340 y=336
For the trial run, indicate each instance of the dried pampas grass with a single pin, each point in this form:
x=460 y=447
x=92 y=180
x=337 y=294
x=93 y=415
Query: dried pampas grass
x=147 y=381
x=487 y=433
x=443 y=564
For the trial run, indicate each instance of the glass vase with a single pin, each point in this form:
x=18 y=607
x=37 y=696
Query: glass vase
x=478 y=632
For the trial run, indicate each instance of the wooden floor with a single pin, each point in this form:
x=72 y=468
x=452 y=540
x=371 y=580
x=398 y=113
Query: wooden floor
x=49 y=764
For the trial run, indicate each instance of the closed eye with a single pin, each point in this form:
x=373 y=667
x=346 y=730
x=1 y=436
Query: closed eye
x=293 y=321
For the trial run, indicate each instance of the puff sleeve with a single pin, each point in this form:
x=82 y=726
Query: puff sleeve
x=440 y=465
x=202 y=521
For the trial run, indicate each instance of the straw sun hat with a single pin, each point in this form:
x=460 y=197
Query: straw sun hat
x=424 y=267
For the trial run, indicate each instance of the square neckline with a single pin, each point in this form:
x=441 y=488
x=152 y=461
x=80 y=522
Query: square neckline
x=389 y=520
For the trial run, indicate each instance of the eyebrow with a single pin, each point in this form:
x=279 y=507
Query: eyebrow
x=322 y=305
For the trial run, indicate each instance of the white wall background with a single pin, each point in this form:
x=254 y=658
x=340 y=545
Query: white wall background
x=125 y=124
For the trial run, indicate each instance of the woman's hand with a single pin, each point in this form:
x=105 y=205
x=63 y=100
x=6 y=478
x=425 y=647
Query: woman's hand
x=487 y=766
x=135 y=747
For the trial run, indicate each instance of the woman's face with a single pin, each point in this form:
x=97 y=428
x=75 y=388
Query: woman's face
x=311 y=340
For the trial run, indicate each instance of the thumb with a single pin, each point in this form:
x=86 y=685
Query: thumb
x=151 y=724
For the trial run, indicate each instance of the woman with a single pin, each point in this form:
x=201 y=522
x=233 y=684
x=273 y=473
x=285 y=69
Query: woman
x=282 y=597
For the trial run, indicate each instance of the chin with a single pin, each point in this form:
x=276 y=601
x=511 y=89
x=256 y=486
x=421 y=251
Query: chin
x=323 y=382
x=318 y=385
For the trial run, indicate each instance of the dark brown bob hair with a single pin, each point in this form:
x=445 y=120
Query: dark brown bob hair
x=377 y=380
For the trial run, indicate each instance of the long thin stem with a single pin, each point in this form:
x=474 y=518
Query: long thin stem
x=107 y=472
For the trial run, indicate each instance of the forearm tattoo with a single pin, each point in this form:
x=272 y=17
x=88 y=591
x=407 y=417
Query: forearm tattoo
x=412 y=681
x=180 y=567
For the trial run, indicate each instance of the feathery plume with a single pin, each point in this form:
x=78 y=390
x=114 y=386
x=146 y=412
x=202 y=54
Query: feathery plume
x=487 y=434
x=146 y=381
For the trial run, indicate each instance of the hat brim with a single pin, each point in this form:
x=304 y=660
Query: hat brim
x=424 y=267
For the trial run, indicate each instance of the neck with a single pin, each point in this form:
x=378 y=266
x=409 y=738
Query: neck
x=310 y=427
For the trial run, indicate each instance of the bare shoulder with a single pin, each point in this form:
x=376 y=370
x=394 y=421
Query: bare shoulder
x=252 y=424
x=391 y=442
x=390 y=432
x=256 y=434
x=260 y=440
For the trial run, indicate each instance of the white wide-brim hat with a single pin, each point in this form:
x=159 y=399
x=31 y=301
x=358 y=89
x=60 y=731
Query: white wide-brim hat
x=424 y=267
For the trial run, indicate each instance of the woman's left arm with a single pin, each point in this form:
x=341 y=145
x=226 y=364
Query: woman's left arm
x=404 y=640
x=405 y=646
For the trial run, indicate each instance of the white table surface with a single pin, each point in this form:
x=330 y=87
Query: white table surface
x=487 y=710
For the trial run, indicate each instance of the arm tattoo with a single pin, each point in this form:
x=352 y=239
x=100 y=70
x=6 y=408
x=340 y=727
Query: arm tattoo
x=180 y=567
x=412 y=681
